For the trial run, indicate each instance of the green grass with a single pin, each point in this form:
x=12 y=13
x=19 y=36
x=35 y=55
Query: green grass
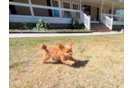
x=122 y=49
x=88 y=57
x=114 y=50
x=116 y=42
x=96 y=40
x=79 y=86
x=117 y=86
x=19 y=63
x=23 y=71
x=82 y=50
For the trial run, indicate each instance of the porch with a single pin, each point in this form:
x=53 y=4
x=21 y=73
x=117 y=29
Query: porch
x=62 y=11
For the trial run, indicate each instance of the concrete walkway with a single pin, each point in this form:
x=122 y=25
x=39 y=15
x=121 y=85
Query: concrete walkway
x=21 y=35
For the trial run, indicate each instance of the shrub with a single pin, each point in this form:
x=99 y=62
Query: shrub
x=82 y=26
x=75 y=23
x=41 y=25
x=24 y=26
x=32 y=25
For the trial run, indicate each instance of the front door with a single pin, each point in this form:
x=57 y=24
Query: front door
x=86 y=9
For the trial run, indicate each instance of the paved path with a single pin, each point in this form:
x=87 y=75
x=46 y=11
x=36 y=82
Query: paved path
x=20 y=35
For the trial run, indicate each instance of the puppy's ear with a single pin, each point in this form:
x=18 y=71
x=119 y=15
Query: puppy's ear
x=70 y=43
x=61 y=46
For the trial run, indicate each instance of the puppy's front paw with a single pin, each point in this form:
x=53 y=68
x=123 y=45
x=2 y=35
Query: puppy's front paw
x=72 y=62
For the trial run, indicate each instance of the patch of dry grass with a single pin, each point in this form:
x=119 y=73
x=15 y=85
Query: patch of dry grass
x=101 y=63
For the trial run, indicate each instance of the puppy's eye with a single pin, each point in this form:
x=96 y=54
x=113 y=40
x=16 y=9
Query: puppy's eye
x=67 y=51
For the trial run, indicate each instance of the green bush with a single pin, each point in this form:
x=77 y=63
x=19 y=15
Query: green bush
x=24 y=26
x=32 y=25
x=41 y=25
x=75 y=23
x=82 y=26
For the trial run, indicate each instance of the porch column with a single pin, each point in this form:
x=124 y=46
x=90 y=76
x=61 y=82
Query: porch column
x=101 y=9
x=80 y=10
x=31 y=9
x=60 y=9
x=112 y=10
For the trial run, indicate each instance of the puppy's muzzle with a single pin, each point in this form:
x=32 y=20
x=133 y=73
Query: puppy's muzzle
x=71 y=54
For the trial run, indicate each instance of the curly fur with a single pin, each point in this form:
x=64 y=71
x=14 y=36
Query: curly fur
x=60 y=52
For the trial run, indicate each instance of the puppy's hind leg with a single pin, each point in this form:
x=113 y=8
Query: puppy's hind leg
x=44 y=59
x=52 y=59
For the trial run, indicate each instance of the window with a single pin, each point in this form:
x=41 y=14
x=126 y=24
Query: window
x=66 y=14
x=66 y=5
x=19 y=10
x=55 y=3
x=42 y=12
x=55 y=12
x=75 y=6
x=75 y=14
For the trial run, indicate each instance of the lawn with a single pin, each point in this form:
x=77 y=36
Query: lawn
x=101 y=63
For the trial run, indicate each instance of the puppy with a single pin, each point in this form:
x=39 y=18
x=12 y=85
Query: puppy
x=60 y=52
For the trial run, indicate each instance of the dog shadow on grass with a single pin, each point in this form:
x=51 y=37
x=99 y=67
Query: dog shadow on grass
x=80 y=64
x=76 y=65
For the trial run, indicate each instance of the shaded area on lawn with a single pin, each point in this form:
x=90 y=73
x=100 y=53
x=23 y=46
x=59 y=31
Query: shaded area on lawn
x=76 y=65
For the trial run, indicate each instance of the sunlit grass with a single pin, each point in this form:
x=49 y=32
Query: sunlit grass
x=101 y=63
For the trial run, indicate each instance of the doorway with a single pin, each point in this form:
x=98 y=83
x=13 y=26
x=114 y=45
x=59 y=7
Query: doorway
x=86 y=9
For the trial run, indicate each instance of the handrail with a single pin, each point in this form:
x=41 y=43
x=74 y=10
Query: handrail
x=84 y=14
x=107 y=21
x=108 y=17
x=112 y=15
x=85 y=19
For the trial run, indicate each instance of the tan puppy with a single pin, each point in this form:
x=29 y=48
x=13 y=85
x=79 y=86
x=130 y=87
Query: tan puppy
x=60 y=52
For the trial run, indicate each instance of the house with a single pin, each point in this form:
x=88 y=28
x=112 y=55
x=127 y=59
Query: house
x=92 y=13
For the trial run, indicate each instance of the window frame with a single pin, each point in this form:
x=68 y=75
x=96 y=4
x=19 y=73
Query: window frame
x=66 y=8
x=56 y=7
x=76 y=4
x=66 y=2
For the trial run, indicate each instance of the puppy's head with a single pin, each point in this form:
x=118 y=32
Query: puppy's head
x=66 y=50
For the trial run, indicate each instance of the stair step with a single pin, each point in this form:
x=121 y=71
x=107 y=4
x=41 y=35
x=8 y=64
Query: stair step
x=99 y=27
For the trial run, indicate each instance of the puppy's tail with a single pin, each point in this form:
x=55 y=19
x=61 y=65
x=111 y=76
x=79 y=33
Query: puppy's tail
x=42 y=46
